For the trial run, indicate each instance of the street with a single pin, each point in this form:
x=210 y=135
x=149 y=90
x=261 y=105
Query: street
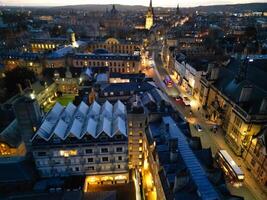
x=195 y=115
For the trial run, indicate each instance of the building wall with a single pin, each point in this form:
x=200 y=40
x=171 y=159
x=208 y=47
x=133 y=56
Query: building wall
x=239 y=132
x=256 y=160
x=115 y=47
x=136 y=130
x=8 y=151
x=55 y=63
x=35 y=65
x=43 y=46
x=121 y=66
x=86 y=159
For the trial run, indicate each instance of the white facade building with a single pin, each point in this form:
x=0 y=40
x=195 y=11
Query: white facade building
x=83 y=140
x=189 y=76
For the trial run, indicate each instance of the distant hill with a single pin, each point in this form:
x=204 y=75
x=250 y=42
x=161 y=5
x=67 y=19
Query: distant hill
x=230 y=8
x=213 y=8
x=95 y=7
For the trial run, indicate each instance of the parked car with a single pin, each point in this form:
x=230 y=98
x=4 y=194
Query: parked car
x=198 y=128
x=178 y=99
x=186 y=101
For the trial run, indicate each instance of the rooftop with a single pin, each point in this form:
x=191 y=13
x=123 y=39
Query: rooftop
x=78 y=121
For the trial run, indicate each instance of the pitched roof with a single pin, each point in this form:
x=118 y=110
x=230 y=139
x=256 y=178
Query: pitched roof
x=73 y=121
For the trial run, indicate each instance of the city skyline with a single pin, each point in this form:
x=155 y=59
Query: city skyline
x=167 y=3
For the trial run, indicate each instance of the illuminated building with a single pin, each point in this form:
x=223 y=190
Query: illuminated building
x=11 y=145
x=113 y=45
x=122 y=63
x=137 y=120
x=83 y=140
x=32 y=61
x=149 y=17
x=71 y=36
x=238 y=103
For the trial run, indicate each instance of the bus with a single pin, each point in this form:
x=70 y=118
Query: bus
x=168 y=81
x=230 y=168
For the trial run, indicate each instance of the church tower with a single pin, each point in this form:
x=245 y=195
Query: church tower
x=149 y=17
x=178 y=10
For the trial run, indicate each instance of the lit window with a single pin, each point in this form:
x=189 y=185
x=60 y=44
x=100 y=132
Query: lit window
x=140 y=140
x=67 y=153
x=140 y=148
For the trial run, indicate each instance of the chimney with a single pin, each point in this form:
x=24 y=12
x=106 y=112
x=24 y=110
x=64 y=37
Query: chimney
x=180 y=181
x=173 y=156
x=20 y=88
x=214 y=75
x=263 y=108
x=245 y=93
x=29 y=83
x=210 y=66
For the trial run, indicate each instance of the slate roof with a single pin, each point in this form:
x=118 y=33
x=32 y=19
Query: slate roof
x=10 y=135
x=256 y=77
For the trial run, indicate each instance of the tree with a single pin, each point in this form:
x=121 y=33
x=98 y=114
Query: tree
x=19 y=75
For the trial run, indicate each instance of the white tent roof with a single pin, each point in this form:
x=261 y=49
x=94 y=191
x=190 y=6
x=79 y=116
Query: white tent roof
x=119 y=109
x=91 y=127
x=76 y=128
x=107 y=107
x=60 y=129
x=55 y=112
x=119 y=126
x=104 y=126
x=68 y=113
x=94 y=109
x=45 y=130
x=82 y=120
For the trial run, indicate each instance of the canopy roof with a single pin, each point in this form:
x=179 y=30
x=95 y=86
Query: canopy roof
x=72 y=121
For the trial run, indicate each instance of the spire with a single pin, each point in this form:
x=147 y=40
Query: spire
x=150 y=8
x=178 y=9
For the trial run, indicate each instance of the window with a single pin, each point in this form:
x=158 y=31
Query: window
x=88 y=151
x=130 y=123
x=104 y=159
x=140 y=125
x=77 y=169
x=91 y=168
x=253 y=162
x=119 y=166
x=104 y=150
x=67 y=153
x=119 y=149
x=42 y=153
x=249 y=127
x=237 y=122
x=119 y=158
x=131 y=133
x=90 y=160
